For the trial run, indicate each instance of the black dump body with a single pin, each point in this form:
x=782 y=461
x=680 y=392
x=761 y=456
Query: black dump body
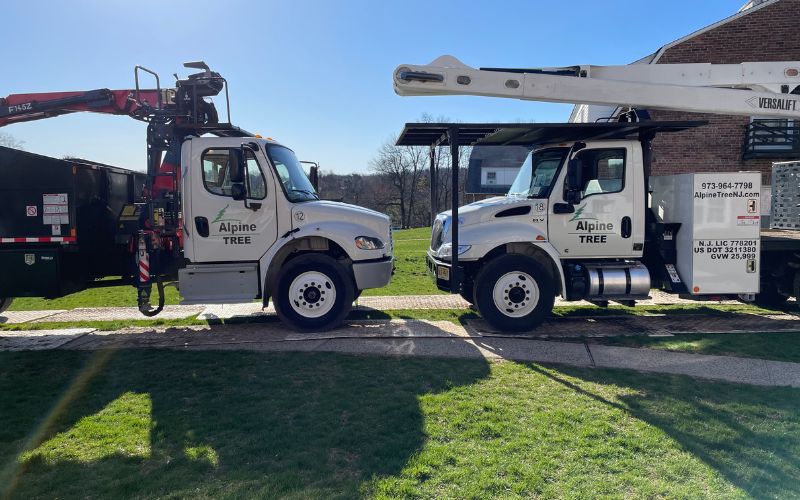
x=58 y=223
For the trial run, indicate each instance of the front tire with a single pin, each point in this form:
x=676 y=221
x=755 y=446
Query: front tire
x=314 y=292
x=514 y=293
x=5 y=303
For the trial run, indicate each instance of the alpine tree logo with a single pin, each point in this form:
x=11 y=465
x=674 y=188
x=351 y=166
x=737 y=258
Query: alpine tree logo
x=578 y=214
x=221 y=216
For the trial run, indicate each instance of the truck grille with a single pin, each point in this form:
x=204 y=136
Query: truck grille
x=436 y=234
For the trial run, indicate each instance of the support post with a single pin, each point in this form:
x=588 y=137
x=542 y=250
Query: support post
x=455 y=278
x=434 y=184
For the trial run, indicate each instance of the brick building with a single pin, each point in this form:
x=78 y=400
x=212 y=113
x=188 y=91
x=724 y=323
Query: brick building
x=762 y=30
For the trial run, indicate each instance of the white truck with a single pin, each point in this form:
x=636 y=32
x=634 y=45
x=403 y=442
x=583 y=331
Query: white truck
x=584 y=219
x=229 y=217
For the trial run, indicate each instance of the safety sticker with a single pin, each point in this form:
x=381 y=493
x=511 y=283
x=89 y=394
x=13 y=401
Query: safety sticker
x=748 y=220
x=55 y=199
x=55 y=210
x=31 y=210
x=56 y=219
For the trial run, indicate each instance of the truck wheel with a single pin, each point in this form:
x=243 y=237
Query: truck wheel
x=514 y=293
x=5 y=303
x=314 y=292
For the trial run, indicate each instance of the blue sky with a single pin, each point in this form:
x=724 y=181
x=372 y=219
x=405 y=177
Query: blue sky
x=314 y=75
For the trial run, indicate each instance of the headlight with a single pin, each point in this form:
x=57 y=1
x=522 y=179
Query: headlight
x=367 y=243
x=446 y=250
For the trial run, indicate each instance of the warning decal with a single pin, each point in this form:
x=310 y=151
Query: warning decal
x=55 y=210
x=748 y=220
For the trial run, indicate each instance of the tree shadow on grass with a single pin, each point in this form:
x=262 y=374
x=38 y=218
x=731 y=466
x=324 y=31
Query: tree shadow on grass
x=221 y=423
x=749 y=434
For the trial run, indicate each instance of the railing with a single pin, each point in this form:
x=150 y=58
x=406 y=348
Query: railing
x=772 y=139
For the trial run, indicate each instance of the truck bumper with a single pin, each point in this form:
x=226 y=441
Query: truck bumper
x=374 y=273
x=440 y=271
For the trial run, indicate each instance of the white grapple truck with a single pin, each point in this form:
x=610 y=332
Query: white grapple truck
x=584 y=219
x=226 y=215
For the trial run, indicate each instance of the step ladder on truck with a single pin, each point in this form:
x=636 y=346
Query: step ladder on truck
x=226 y=215
x=584 y=218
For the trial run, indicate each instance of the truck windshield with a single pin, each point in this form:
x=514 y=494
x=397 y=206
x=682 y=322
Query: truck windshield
x=535 y=177
x=295 y=182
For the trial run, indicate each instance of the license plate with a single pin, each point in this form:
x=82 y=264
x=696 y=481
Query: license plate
x=443 y=273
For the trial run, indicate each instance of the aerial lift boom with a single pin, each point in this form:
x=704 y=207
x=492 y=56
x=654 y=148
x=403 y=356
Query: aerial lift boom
x=764 y=89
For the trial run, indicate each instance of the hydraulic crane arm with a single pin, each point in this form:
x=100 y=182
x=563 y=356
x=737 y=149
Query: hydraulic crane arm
x=748 y=89
x=171 y=114
x=26 y=107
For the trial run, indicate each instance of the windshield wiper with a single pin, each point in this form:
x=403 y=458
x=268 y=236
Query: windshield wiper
x=305 y=191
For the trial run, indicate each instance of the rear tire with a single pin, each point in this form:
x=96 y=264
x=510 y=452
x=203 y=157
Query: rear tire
x=5 y=303
x=314 y=292
x=514 y=293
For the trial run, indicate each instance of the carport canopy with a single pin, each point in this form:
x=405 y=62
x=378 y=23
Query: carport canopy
x=530 y=134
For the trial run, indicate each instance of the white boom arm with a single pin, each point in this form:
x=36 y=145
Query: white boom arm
x=748 y=89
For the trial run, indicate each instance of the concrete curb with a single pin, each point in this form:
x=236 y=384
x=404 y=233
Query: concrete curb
x=228 y=311
x=415 y=338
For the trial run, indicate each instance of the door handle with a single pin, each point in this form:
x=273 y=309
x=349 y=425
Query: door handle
x=201 y=223
x=626 y=227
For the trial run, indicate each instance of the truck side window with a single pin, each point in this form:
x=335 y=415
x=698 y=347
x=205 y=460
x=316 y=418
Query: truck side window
x=216 y=173
x=602 y=171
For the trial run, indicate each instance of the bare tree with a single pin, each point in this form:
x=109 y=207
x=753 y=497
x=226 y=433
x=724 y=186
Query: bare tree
x=10 y=141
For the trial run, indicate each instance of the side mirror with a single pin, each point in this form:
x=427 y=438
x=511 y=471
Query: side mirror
x=238 y=167
x=572 y=193
x=313 y=176
x=238 y=191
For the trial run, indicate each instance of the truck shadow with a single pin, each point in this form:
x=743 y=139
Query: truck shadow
x=164 y=422
x=749 y=435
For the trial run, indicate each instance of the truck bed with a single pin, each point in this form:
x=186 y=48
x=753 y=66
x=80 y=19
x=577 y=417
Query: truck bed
x=780 y=240
x=59 y=223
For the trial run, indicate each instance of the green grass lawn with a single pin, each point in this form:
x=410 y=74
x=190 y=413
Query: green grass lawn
x=411 y=273
x=160 y=423
x=410 y=278
x=780 y=346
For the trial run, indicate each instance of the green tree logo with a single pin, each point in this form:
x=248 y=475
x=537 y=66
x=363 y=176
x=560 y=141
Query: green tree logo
x=578 y=214
x=221 y=216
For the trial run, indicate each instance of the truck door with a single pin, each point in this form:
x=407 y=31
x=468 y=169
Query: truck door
x=219 y=228
x=602 y=222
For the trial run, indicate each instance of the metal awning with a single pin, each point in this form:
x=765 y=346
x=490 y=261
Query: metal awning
x=529 y=134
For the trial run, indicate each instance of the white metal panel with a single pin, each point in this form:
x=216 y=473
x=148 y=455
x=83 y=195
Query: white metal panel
x=718 y=242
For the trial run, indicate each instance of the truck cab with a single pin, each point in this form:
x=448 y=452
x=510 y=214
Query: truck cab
x=584 y=220
x=254 y=227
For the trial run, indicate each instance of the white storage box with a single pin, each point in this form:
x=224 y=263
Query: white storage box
x=718 y=243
